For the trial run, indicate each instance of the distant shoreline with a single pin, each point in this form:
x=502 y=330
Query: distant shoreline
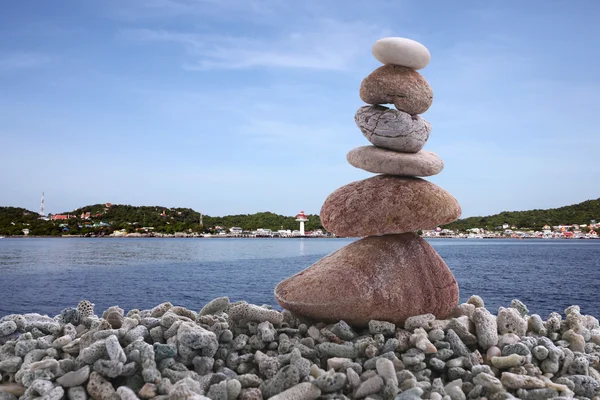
x=269 y=237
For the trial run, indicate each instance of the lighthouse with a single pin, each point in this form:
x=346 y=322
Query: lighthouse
x=302 y=219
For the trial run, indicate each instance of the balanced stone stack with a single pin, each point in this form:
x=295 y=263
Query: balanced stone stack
x=392 y=273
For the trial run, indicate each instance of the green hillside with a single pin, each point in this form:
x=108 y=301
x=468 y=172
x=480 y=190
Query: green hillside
x=162 y=219
x=170 y=220
x=179 y=219
x=14 y=219
x=580 y=213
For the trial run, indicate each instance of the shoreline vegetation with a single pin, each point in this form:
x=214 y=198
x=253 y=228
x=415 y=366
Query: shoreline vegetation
x=114 y=220
x=183 y=235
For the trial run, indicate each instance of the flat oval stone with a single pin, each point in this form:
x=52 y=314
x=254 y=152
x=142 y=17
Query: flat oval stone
x=401 y=51
x=404 y=87
x=392 y=129
x=385 y=278
x=387 y=204
x=383 y=161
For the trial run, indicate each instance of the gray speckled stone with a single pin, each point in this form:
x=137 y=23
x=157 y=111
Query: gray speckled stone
x=302 y=391
x=509 y=320
x=74 y=378
x=77 y=393
x=215 y=306
x=7 y=327
x=100 y=389
x=457 y=346
x=285 y=378
x=486 y=328
x=392 y=129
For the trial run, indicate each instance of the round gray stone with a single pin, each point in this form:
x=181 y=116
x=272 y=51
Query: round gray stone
x=383 y=161
x=392 y=129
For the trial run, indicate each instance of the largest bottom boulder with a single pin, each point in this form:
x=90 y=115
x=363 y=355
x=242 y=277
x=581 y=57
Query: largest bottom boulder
x=388 y=278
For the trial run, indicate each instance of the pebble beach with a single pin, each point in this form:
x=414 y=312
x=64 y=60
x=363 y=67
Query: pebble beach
x=243 y=351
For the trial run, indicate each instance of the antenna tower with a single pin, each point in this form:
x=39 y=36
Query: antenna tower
x=42 y=206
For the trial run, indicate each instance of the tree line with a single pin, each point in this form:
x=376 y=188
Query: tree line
x=579 y=214
x=135 y=218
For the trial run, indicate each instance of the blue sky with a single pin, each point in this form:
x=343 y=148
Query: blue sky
x=240 y=106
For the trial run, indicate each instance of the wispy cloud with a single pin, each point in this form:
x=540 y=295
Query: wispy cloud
x=137 y=10
x=324 y=44
x=18 y=61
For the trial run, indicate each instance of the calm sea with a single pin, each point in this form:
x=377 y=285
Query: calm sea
x=47 y=275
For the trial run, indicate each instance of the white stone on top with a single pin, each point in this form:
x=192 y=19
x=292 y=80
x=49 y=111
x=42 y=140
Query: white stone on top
x=401 y=51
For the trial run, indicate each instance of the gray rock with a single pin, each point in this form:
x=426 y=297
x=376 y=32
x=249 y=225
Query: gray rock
x=24 y=346
x=94 y=352
x=268 y=366
x=540 y=352
x=413 y=357
x=509 y=320
x=514 y=381
x=424 y=321
x=410 y=394
x=196 y=337
x=331 y=382
x=337 y=350
x=489 y=382
x=55 y=394
x=444 y=354
x=486 y=328
x=579 y=366
x=517 y=348
x=437 y=364
x=74 y=378
x=435 y=335
x=234 y=388
x=226 y=336
x=343 y=331
x=251 y=312
x=584 y=385
x=383 y=327
x=285 y=378
x=301 y=364
x=7 y=396
x=266 y=331
x=215 y=306
x=393 y=129
x=457 y=346
x=100 y=389
x=385 y=369
x=77 y=393
x=251 y=394
x=11 y=364
x=370 y=386
x=108 y=368
x=384 y=161
x=7 y=327
x=114 y=350
x=218 y=391
x=520 y=307
x=140 y=332
x=126 y=393
x=302 y=391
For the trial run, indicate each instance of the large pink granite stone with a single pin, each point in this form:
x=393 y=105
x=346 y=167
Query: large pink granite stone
x=387 y=278
x=387 y=204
